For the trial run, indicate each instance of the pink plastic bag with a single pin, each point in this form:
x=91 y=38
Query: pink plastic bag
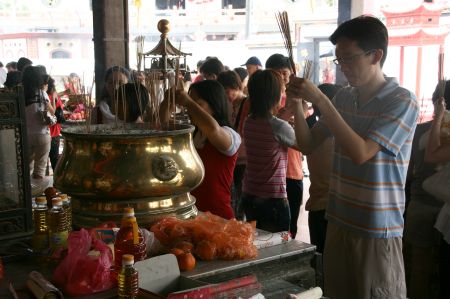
x=81 y=274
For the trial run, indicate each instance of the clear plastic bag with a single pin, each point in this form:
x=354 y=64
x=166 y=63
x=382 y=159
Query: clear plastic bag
x=211 y=236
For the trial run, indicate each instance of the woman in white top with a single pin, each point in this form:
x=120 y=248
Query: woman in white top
x=38 y=133
x=115 y=76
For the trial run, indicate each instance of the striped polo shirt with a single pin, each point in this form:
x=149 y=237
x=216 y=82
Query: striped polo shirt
x=266 y=142
x=370 y=198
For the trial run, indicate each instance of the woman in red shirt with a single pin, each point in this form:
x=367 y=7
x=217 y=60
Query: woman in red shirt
x=55 y=130
x=216 y=143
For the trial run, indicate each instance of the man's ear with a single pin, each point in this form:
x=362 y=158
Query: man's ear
x=377 y=55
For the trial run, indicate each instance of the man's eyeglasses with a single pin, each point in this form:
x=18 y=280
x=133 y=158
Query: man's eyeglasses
x=350 y=59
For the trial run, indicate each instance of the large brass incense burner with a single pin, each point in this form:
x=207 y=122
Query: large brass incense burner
x=110 y=168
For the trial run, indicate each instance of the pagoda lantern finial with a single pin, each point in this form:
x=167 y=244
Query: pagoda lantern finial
x=163 y=27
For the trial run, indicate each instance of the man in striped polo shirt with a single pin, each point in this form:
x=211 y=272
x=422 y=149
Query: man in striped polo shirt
x=373 y=122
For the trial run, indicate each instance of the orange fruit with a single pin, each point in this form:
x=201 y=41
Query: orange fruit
x=176 y=251
x=186 y=261
x=185 y=246
x=206 y=250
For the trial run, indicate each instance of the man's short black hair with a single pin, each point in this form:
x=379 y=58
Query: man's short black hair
x=22 y=63
x=12 y=64
x=212 y=66
x=230 y=79
x=278 y=61
x=369 y=33
x=241 y=72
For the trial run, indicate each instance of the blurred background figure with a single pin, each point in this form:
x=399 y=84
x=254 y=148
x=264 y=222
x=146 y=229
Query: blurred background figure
x=2 y=74
x=55 y=130
x=243 y=74
x=115 y=76
x=23 y=63
x=14 y=77
x=36 y=101
x=11 y=66
x=252 y=64
x=73 y=84
x=132 y=102
x=319 y=166
x=198 y=76
x=437 y=152
x=211 y=68
x=138 y=77
x=231 y=81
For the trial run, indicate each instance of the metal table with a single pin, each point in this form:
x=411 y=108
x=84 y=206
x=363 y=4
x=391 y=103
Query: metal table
x=281 y=269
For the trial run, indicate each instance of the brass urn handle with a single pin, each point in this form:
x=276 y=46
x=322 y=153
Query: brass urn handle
x=164 y=168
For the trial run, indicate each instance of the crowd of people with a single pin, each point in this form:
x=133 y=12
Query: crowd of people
x=253 y=129
x=44 y=113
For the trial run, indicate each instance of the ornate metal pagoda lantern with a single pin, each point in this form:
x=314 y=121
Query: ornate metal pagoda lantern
x=164 y=58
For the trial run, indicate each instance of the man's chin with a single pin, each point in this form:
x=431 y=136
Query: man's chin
x=353 y=83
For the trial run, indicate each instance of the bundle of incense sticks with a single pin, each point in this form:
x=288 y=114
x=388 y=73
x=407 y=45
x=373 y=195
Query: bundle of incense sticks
x=175 y=88
x=152 y=83
x=307 y=69
x=89 y=107
x=283 y=25
x=441 y=77
x=142 y=109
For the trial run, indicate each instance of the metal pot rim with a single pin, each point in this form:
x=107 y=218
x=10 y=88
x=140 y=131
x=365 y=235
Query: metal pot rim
x=129 y=130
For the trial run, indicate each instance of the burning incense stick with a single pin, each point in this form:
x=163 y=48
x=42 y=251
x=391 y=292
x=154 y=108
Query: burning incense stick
x=89 y=108
x=283 y=25
x=175 y=88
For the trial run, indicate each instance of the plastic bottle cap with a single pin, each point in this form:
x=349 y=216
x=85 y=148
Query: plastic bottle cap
x=127 y=259
x=128 y=212
x=56 y=201
x=40 y=199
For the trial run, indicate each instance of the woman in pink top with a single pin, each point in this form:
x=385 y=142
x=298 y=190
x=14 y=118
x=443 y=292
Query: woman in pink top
x=267 y=139
x=232 y=83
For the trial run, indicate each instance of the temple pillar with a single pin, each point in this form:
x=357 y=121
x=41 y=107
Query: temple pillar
x=110 y=20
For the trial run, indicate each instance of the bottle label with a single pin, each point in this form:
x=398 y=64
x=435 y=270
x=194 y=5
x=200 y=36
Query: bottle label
x=59 y=239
